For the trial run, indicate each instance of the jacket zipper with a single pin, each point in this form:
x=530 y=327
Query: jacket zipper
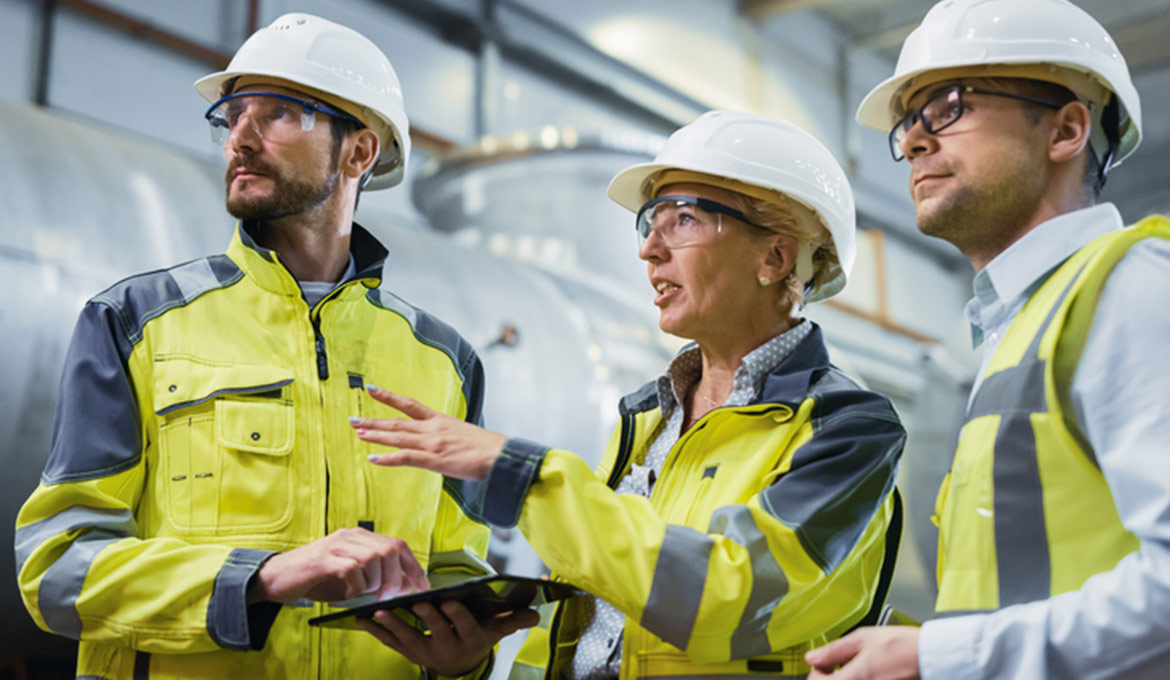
x=319 y=343
x=625 y=449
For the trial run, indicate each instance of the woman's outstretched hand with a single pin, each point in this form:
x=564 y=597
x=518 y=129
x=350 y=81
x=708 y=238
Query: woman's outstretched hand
x=428 y=439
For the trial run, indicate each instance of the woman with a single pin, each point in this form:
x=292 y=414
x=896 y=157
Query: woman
x=739 y=515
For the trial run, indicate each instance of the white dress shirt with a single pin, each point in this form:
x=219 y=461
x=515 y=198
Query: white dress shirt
x=1118 y=624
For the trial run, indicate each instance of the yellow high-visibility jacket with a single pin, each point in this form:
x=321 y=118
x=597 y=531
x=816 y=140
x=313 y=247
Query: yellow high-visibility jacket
x=765 y=534
x=1025 y=512
x=202 y=425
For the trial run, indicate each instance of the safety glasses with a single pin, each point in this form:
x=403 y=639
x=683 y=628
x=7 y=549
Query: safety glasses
x=683 y=220
x=943 y=109
x=275 y=117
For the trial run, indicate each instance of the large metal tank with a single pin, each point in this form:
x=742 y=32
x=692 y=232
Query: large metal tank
x=84 y=207
x=528 y=260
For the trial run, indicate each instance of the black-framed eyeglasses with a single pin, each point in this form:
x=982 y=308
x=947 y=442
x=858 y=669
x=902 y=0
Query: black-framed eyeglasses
x=943 y=109
x=683 y=220
x=274 y=116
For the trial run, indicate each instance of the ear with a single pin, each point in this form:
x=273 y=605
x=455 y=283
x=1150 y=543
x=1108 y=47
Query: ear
x=359 y=153
x=779 y=259
x=1070 y=132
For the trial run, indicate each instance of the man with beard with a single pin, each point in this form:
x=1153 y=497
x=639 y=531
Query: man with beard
x=203 y=473
x=1054 y=543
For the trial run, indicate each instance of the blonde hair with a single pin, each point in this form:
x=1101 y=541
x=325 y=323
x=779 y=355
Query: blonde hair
x=779 y=215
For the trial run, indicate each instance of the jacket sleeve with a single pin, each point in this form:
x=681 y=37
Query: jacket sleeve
x=83 y=571
x=800 y=560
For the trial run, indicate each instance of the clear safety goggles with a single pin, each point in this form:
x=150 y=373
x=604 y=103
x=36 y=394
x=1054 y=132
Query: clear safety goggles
x=277 y=118
x=943 y=109
x=683 y=220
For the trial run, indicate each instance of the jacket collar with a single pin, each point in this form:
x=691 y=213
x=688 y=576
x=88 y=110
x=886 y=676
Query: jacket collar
x=786 y=384
x=264 y=266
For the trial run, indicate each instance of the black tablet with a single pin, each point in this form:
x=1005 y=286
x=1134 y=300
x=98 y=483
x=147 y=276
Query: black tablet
x=483 y=597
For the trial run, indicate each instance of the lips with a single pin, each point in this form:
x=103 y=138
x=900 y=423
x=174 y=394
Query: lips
x=924 y=177
x=247 y=169
x=247 y=172
x=665 y=288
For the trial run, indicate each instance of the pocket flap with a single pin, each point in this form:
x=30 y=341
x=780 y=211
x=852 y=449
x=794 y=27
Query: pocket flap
x=185 y=381
x=264 y=427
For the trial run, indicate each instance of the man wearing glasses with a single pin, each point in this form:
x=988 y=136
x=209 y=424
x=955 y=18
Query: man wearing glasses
x=205 y=492
x=1054 y=522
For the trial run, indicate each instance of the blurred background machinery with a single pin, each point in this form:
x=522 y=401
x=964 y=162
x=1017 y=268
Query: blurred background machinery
x=522 y=111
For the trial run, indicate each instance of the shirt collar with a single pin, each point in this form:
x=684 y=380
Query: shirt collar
x=368 y=258
x=686 y=368
x=1017 y=271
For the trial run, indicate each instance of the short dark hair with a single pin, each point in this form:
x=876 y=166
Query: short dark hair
x=1092 y=179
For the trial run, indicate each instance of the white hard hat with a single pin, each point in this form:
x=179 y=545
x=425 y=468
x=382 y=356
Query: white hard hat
x=745 y=153
x=337 y=65
x=1051 y=40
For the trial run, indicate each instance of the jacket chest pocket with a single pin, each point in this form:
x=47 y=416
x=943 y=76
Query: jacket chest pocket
x=225 y=438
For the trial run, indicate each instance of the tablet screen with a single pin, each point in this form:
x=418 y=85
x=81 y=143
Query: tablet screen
x=484 y=597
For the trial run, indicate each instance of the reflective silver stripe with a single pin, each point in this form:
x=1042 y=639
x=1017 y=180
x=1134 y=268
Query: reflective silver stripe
x=61 y=585
x=396 y=304
x=1019 y=388
x=769 y=584
x=1021 y=540
x=115 y=521
x=522 y=671
x=194 y=278
x=677 y=590
x=1023 y=563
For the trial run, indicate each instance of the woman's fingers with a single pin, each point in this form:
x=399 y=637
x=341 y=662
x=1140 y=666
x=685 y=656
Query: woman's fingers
x=404 y=425
x=409 y=458
x=398 y=440
x=411 y=407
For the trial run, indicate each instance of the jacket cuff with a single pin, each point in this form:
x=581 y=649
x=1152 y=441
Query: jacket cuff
x=231 y=623
x=507 y=482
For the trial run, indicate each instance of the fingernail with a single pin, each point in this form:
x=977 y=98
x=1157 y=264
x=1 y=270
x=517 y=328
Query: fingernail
x=812 y=656
x=373 y=457
x=360 y=431
x=354 y=420
x=373 y=388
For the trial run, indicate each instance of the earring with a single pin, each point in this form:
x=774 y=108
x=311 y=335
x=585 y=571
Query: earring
x=765 y=281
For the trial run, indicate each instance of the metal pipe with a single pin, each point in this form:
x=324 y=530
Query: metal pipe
x=253 y=16
x=487 y=74
x=146 y=31
x=44 y=53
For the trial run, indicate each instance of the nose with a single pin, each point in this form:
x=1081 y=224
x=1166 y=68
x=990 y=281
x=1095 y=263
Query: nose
x=653 y=248
x=244 y=134
x=917 y=141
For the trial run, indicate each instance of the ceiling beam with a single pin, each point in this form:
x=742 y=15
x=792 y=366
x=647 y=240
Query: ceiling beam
x=762 y=10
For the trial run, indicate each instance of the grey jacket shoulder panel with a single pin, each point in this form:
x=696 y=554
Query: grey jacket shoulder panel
x=96 y=430
x=430 y=331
